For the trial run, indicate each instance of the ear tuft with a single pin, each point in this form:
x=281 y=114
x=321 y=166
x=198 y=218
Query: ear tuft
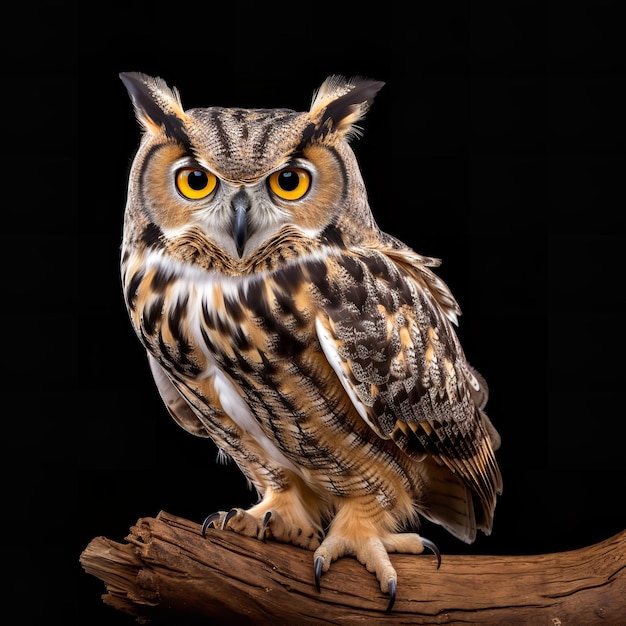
x=340 y=103
x=157 y=107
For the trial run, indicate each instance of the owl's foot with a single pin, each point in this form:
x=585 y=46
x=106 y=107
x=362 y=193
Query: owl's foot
x=270 y=525
x=373 y=553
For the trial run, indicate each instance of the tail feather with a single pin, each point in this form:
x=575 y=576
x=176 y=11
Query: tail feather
x=448 y=502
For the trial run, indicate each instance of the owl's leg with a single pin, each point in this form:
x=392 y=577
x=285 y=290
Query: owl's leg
x=281 y=515
x=360 y=529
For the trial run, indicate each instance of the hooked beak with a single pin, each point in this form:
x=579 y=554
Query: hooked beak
x=240 y=204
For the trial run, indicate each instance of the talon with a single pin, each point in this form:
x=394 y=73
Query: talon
x=392 y=594
x=209 y=521
x=266 y=521
x=228 y=517
x=435 y=550
x=319 y=561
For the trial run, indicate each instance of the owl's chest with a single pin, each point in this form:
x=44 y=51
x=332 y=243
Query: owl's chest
x=259 y=325
x=256 y=327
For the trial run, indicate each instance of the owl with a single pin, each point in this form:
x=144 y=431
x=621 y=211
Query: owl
x=316 y=351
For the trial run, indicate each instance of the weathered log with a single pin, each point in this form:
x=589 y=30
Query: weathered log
x=168 y=573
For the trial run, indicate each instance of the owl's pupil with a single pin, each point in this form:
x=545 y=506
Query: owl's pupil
x=289 y=181
x=197 y=180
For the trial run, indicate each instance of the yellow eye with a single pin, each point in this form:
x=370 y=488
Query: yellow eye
x=194 y=183
x=291 y=183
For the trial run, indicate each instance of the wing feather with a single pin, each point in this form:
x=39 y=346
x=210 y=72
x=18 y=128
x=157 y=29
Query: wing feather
x=392 y=344
x=178 y=407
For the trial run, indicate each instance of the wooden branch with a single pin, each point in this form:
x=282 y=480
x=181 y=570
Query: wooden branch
x=167 y=573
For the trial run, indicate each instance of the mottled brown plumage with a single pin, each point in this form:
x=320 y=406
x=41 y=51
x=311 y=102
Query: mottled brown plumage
x=314 y=349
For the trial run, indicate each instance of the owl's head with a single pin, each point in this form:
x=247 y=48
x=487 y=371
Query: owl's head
x=240 y=176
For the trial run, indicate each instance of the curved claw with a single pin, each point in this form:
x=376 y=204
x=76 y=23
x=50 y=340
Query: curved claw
x=228 y=517
x=319 y=561
x=392 y=594
x=266 y=521
x=435 y=550
x=209 y=520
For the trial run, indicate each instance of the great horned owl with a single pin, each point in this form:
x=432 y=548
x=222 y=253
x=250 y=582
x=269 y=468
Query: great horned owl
x=315 y=350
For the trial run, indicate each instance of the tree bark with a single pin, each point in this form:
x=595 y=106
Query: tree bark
x=167 y=573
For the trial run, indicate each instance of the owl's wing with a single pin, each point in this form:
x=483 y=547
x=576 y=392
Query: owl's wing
x=178 y=407
x=392 y=345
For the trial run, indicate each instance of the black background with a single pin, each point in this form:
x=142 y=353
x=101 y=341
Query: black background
x=497 y=145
